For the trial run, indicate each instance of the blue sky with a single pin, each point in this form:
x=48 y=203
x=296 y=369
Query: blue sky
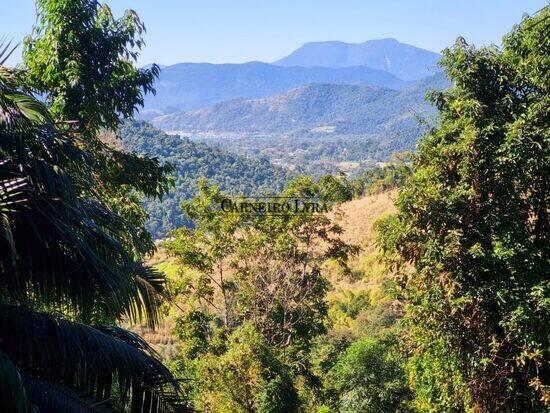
x=222 y=31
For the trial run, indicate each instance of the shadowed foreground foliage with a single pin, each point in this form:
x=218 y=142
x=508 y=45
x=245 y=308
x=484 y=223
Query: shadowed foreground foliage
x=72 y=232
x=62 y=249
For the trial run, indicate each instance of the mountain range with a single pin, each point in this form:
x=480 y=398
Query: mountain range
x=188 y=86
x=386 y=63
x=328 y=107
x=321 y=107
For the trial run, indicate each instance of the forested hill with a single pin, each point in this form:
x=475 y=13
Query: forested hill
x=331 y=108
x=233 y=173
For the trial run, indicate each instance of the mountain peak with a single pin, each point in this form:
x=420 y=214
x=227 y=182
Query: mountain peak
x=402 y=60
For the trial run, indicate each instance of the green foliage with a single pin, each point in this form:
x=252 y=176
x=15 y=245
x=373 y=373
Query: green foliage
x=62 y=249
x=81 y=58
x=232 y=173
x=260 y=271
x=71 y=224
x=379 y=179
x=334 y=189
x=473 y=227
x=247 y=377
x=193 y=330
x=318 y=153
x=252 y=374
x=369 y=378
x=354 y=304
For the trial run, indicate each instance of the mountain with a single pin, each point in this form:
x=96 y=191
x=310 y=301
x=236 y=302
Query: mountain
x=188 y=86
x=402 y=60
x=234 y=174
x=327 y=108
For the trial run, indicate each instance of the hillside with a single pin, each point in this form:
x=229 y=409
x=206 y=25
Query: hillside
x=328 y=108
x=402 y=60
x=188 y=86
x=357 y=219
x=234 y=174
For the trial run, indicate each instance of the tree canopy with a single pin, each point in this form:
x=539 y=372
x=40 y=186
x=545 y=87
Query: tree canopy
x=470 y=241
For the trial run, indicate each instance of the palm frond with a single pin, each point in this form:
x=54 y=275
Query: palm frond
x=150 y=285
x=101 y=362
x=12 y=198
x=62 y=247
x=13 y=396
x=19 y=110
x=51 y=397
x=73 y=247
x=5 y=51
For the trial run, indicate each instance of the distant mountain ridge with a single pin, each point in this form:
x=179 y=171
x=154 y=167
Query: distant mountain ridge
x=402 y=60
x=187 y=86
x=318 y=107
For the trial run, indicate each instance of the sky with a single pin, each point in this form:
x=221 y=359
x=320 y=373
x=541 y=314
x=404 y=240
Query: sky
x=235 y=31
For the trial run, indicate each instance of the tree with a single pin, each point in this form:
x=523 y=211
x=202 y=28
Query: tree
x=209 y=248
x=248 y=377
x=470 y=241
x=81 y=58
x=85 y=63
x=369 y=378
x=260 y=273
x=278 y=271
x=62 y=251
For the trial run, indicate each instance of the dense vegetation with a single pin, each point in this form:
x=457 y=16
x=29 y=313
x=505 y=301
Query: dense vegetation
x=459 y=322
x=71 y=228
x=318 y=128
x=270 y=313
x=316 y=153
x=257 y=300
x=470 y=242
x=233 y=173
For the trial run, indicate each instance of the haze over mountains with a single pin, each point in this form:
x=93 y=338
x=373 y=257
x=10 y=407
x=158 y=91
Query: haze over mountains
x=387 y=63
x=328 y=107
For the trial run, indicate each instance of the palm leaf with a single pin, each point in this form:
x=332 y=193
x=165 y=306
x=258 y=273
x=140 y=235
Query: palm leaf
x=51 y=397
x=102 y=362
x=13 y=396
x=75 y=245
x=62 y=247
x=5 y=51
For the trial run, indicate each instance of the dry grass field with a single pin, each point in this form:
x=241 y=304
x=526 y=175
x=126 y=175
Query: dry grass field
x=357 y=219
